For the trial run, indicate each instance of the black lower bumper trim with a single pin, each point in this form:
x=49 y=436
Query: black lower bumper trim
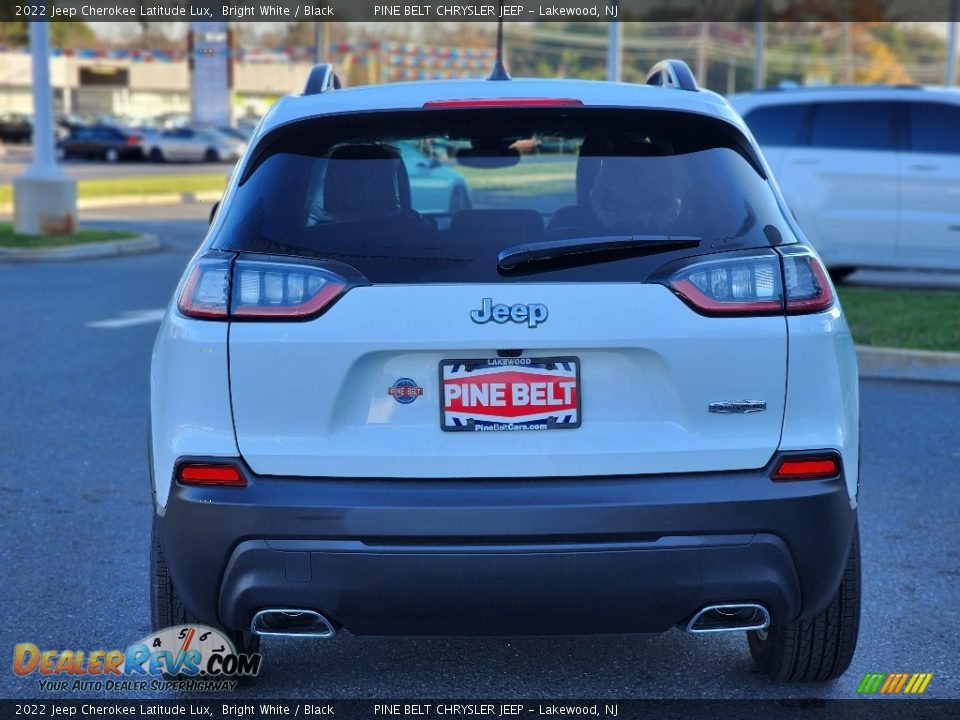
x=539 y=590
x=453 y=556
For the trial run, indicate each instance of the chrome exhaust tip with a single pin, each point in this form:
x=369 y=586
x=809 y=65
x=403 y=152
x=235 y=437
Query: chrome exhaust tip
x=291 y=622
x=732 y=617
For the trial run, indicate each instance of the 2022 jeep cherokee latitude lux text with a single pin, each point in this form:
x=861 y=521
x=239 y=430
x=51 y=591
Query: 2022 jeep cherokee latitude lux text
x=610 y=390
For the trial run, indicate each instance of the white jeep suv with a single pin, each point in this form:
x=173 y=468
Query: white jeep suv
x=872 y=174
x=616 y=394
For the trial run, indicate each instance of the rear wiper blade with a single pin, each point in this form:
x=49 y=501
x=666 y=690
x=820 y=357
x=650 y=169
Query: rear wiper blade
x=586 y=250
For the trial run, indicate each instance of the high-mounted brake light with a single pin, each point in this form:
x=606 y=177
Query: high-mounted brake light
x=211 y=474
x=731 y=286
x=501 y=103
x=806 y=468
x=808 y=288
x=258 y=290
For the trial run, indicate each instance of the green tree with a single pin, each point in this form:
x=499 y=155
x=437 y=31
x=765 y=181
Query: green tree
x=65 y=34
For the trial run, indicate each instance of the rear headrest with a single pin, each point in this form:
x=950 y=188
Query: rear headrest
x=607 y=144
x=365 y=181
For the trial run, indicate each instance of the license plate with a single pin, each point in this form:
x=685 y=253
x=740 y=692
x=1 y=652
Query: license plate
x=510 y=394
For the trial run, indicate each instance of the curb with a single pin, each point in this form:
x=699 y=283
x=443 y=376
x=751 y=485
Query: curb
x=108 y=248
x=187 y=198
x=897 y=364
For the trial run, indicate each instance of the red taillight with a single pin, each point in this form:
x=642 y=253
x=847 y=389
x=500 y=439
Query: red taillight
x=755 y=285
x=731 y=286
x=808 y=288
x=207 y=290
x=132 y=140
x=258 y=290
x=208 y=474
x=501 y=103
x=806 y=468
x=278 y=290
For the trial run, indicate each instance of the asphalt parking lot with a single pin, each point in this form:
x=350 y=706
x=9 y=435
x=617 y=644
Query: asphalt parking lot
x=74 y=493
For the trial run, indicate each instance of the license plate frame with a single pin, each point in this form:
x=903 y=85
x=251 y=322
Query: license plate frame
x=563 y=367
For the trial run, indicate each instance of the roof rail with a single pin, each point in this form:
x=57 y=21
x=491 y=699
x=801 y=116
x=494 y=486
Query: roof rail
x=322 y=79
x=672 y=74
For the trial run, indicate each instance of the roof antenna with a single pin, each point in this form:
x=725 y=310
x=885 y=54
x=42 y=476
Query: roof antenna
x=499 y=71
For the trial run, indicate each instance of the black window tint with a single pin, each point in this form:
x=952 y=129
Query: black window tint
x=777 y=124
x=853 y=126
x=935 y=128
x=351 y=189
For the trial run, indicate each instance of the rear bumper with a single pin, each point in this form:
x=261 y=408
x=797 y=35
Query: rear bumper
x=585 y=555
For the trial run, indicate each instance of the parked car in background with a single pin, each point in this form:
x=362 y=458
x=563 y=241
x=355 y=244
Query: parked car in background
x=872 y=174
x=67 y=123
x=101 y=142
x=15 y=128
x=229 y=131
x=193 y=145
x=434 y=188
x=247 y=125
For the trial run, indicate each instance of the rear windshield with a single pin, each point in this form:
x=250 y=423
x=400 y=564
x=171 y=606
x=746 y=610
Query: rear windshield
x=438 y=195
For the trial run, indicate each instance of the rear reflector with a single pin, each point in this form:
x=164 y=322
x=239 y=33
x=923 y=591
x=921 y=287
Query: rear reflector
x=502 y=103
x=806 y=468
x=211 y=475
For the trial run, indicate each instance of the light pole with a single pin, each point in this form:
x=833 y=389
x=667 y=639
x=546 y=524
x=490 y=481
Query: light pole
x=614 y=36
x=758 y=76
x=320 y=40
x=759 y=79
x=44 y=198
x=953 y=26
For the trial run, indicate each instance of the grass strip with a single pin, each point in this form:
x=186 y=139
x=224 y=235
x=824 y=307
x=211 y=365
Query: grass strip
x=917 y=319
x=141 y=185
x=10 y=239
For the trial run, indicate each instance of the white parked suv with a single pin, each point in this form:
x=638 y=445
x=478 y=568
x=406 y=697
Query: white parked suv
x=616 y=394
x=872 y=174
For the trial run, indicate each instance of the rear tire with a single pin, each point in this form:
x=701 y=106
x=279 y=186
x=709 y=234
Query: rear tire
x=156 y=155
x=818 y=649
x=211 y=156
x=167 y=609
x=111 y=155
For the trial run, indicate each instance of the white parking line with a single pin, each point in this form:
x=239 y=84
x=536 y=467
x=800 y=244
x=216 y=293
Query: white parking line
x=129 y=318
